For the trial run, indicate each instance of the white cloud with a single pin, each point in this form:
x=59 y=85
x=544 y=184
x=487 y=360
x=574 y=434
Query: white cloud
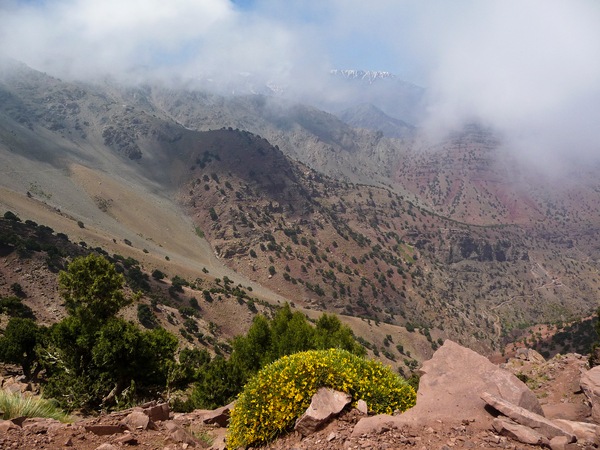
x=529 y=68
x=87 y=37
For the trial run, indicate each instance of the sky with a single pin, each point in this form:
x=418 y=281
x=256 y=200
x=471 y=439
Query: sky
x=528 y=68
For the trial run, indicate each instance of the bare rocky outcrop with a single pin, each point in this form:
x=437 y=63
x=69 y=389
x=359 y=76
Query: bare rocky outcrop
x=584 y=431
x=449 y=390
x=528 y=354
x=444 y=383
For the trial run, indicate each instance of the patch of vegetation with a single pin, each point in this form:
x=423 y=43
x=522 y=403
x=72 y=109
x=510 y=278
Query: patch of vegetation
x=92 y=359
x=266 y=341
x=17 y=289
x=136 y=279
x=14 y=307
x=579 y=337
x=158 y=275
x=18 y=344
x=146 y=316
x=14 y=405
x=9 y=215
x=272 y=401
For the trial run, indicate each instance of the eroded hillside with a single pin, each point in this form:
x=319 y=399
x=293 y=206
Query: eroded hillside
x=448 y=239
x=365 y=251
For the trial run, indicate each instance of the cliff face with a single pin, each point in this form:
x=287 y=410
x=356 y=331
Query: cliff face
x=463 y=247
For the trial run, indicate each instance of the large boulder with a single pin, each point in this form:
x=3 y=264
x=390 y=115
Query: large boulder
x=158 y=413
x=590 y=384
x=325 y=404
x=529 y=354
x=138 y=421
x=450 y=388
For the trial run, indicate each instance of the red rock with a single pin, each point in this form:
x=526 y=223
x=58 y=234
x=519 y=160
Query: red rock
x=127 y=439
x=105 y=430
x=137 y=420
x=561 y=443
x=567 y=411
x=528 y=354
x=158 y=413
x=178 y=434
x=38 y=425
x=219 y=416
x=585 y=432
x=525 y=417
x=325 y=404
x=518 y=432
x=7 y=425
x=449 y=389
x=590 y=384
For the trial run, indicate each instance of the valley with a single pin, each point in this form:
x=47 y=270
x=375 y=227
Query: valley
x=409 y=240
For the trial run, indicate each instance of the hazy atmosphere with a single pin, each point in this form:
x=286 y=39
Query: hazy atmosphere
x=530 y=69
x=300 y=224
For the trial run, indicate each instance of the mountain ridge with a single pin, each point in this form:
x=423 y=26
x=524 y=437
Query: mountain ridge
x=445 y=257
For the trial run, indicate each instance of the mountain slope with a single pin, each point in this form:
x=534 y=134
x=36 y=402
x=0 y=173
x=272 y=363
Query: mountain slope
x=370 y=117
x=437 y=238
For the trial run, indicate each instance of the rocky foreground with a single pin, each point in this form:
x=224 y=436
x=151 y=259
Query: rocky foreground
x=463 y=402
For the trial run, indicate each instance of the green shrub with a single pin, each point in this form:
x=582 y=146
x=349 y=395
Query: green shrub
x=157 y=274
x=93 y=359
x=272 y=401
x=18 y=343
x=15 y=405
x=9 y=215
x=266 y=341
x=146 y=316
x=14 y=307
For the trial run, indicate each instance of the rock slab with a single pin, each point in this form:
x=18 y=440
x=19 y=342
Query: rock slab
x=585 y=432
x=590 y=384
x=449 y=390
x=325 y=404
x=158 y=413
x=527 y=418
x=219 y=416
x=521 y=433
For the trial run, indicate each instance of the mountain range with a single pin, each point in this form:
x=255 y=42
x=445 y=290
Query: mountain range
x=355 y=211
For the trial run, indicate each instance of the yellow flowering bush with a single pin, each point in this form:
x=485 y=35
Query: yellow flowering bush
x=280 y=393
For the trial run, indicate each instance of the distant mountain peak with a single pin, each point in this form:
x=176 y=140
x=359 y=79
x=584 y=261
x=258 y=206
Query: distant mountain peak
x=366 y=75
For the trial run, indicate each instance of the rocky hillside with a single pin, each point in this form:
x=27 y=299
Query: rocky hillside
x=367 y=252
x=555 y=408
x=420 y=241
